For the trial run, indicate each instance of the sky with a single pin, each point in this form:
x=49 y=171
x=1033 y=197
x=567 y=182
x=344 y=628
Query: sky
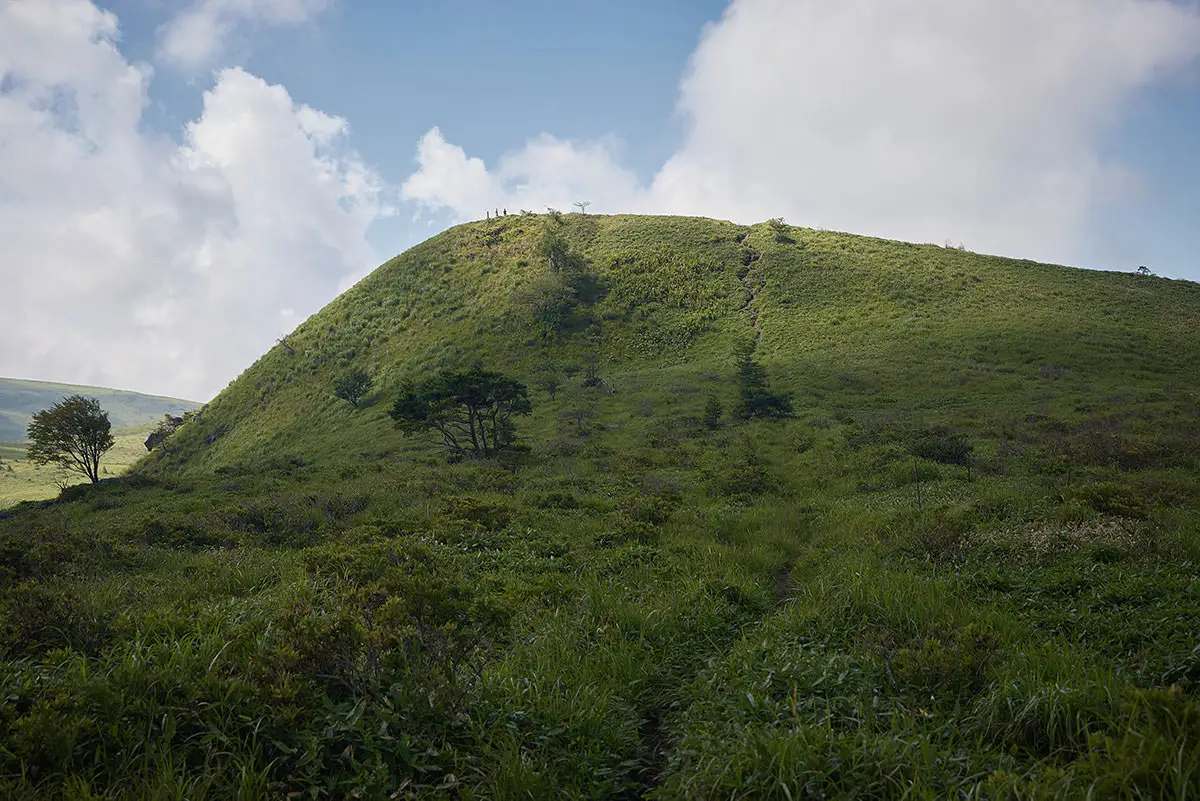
x=182 y=182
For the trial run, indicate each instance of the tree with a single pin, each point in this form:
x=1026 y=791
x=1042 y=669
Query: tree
x=165 y=428
x=712 y=412
x=472 y=411
x=549 y=381
x=581 y=408
x=553 y=247
x=780 y=229
x=582 y=205
x=551 y=300
x=73 y=433
x=591 y=366
x=757 y=398
x=352 y=386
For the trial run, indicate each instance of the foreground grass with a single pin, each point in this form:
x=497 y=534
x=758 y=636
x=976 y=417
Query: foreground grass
x=576 y=633
x=294 y=601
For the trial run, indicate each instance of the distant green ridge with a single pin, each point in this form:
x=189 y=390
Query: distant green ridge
x=19 y=399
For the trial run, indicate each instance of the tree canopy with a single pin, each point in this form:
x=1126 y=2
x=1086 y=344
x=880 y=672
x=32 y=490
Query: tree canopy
x=472 y=410
x=73 y=433
x=165 y=428
x=352 y=386
x=757 y=398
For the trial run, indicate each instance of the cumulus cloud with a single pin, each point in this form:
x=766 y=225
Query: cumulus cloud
x=132 y=260
x=913 y=119
x=196 y=36
x=545 y=172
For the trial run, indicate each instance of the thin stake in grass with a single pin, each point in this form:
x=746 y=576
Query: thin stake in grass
x=917 y=482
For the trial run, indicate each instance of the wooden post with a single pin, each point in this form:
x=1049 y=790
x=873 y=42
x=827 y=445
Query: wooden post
x=917 y=481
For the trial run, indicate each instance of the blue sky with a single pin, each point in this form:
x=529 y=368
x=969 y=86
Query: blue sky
x=194 y=178
x=489 y=74
x=1158 y=136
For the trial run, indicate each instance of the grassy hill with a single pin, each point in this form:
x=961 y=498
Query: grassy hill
x=132 y=414
x=964 y=566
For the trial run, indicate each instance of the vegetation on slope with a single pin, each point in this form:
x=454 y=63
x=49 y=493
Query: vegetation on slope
x=965 y=565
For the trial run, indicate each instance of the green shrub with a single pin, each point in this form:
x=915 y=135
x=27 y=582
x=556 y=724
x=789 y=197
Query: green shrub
x=557 y=500
x=712 y=412
x=491 y=516
x=1112 y=499
x=955 y=667
x=1153 y=751
x=39 y=618
x=943 y=446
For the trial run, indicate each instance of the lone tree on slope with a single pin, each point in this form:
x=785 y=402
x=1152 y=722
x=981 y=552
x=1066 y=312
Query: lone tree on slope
x=472 y=411
x=352 y=386
x=553 y=247
x=165 y=428
x=758 y=399
x=73 y=433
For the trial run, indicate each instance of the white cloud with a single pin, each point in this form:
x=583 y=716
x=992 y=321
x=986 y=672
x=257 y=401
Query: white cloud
x=197 y=36
x=135 y=261
x=914 y=119
x=546 y=172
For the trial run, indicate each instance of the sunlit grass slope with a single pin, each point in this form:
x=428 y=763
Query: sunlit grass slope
x=904 y=330
x=965 y=567
x=22 y=480
x=132 y=415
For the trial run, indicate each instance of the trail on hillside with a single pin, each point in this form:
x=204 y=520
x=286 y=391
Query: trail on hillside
x=749 y=259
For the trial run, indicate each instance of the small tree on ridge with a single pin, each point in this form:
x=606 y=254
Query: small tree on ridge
x=757 y=399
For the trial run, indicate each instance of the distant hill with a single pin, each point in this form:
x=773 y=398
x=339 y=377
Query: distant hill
x=19 y=399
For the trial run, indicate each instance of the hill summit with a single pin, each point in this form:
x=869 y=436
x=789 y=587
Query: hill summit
x=659 y=306
x=771 y=512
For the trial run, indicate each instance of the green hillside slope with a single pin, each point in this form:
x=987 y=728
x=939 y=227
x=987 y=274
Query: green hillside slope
x=20 y=399
x=964 y=566
x=842 y=321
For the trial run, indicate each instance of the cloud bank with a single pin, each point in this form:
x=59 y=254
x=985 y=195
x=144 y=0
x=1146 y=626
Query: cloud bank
x=914 y=119
x=196 y=37
x=546 y=172
x=131 y=260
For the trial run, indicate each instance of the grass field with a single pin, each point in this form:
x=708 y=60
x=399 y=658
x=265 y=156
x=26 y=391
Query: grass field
x=22 y=480
x=965 y=567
